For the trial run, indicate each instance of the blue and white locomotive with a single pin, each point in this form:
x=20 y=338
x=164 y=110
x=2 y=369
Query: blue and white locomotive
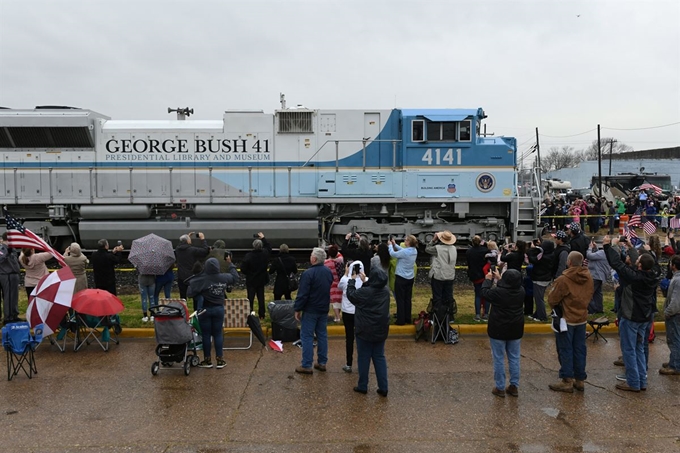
x=303 y=176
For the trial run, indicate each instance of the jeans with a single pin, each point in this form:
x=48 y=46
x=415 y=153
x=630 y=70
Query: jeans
x=167 y=291
x=648 y=331
x=632 y=336
x=259 y=292
x=571 y=350
x=479 y=299
x=147 y=293
x=442 y=290
x=539 y=299
x=595 y=305
x=348 y=322
x=403 y=293
x=314 y=323
x=673 y=340
x=10 y=295
x=499 y=349
x=367 y=351
x=212 y=325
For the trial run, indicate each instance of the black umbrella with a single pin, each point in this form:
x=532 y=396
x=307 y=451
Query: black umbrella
x=255 y=327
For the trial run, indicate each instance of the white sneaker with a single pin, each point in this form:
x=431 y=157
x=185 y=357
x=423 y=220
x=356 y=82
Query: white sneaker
x=145 y=319
x=151 y=318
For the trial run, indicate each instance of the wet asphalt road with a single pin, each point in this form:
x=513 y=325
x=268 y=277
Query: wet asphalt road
x=439 y=401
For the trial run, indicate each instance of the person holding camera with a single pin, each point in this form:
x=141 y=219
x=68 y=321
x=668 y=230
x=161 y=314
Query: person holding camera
x=372 y=325
x=104 y=265
x=254 y=267
x=192 y=247
x=355 y=269
x=404 y=277
x=443 y=267
x=283 y=266
x=74 y=258
x=506 y=326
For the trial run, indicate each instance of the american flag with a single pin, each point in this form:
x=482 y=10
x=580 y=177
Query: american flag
x=675 y=222
x=19 y=236
x=629 y=232
x=635 y=220
x=649 y=227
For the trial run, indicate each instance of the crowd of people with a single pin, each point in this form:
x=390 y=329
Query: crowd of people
x=571 y=269
x=558 y=279
x=598 y=212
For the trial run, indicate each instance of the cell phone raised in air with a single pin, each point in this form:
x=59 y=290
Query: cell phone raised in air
x=356 y=269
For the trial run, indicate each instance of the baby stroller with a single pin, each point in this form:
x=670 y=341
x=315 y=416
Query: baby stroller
x=176 y=338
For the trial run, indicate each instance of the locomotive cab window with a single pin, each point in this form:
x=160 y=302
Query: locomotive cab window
x=441 y=131
x=418 y=131
x=465 y=131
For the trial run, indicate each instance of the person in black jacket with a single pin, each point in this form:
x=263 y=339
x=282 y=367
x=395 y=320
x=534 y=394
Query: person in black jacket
x=639 y=285
x=513 y=255
x=187 y=253
x=357 y=248
x=542 y=259
x=254 y=267
x=283 y=266
x=104 y=266
x=562 y=250
x=506 y=326
x=476 y=262
x=579 y=242
x=371 y=325
x=211 y=285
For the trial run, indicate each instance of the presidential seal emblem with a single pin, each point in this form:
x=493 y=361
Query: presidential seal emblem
x=486 y=182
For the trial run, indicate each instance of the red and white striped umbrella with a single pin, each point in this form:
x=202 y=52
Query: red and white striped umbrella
x=657 y=190
x=50 y=300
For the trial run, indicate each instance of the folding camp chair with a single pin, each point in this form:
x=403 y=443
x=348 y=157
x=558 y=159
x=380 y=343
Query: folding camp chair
x=440 y=319
x=100 y=329
x=236 y=317
x=68 y=330
x=596 y=325
x=20 y=344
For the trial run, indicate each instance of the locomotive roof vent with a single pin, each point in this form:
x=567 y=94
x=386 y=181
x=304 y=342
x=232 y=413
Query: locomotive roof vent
x=295 y=121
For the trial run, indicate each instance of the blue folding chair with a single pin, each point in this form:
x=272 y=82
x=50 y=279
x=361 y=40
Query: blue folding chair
x=20 y=344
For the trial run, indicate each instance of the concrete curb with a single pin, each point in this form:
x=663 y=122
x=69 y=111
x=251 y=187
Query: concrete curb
x=337 y=331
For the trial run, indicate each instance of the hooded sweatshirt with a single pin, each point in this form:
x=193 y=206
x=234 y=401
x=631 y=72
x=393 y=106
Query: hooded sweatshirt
x=573 y=291
x=542 y=259
x=347 y=306
x=372 y=302
x=506 y=318
x=211 y=284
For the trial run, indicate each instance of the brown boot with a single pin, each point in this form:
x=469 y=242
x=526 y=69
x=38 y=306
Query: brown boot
x=579 y=385
x=565 y=385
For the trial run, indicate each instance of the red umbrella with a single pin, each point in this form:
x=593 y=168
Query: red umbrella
x=50 y=300
x=96 y=302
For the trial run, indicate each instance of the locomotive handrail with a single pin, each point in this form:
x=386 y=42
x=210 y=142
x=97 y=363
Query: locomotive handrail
x=363 y=141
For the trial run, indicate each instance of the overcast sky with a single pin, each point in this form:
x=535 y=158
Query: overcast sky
x=561 y=66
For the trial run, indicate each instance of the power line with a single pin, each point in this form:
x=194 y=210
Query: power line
x=641 y=128
x=567 y=136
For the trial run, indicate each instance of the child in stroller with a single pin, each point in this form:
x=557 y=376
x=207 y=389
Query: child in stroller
x=176 y=337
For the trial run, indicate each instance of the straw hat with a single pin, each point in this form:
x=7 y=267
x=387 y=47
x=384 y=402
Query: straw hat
x=446 y=237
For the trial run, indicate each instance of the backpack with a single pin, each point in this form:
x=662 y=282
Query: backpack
x=293 y=282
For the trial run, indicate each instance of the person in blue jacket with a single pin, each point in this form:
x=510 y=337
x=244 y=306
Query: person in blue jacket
x=311 y=310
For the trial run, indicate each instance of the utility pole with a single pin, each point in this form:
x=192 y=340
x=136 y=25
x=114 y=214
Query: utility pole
x=611 y=145
x=538 y=160
x=599 y=161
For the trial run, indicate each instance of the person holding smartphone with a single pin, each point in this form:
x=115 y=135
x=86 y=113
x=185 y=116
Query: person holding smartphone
x=355 y=270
